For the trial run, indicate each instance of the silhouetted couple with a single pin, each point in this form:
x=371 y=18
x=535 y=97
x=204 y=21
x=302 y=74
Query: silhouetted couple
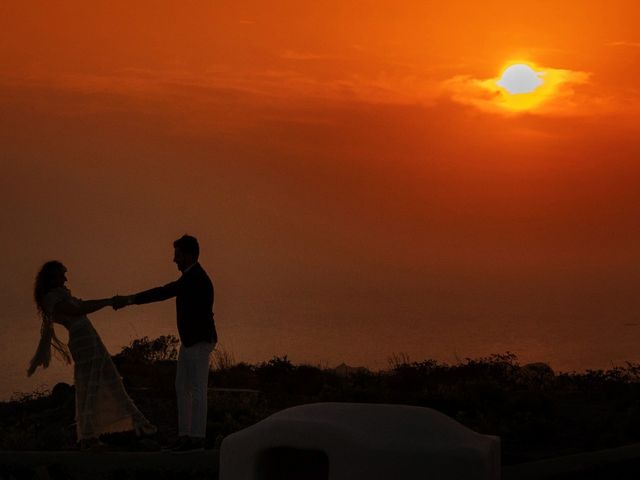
x=102 y=404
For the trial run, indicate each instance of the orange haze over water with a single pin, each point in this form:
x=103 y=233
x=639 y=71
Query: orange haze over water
x=358 y=183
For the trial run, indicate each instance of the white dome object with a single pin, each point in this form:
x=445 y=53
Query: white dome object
x=351 y=441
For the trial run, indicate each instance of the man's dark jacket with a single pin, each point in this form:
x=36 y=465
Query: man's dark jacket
x=194 y=305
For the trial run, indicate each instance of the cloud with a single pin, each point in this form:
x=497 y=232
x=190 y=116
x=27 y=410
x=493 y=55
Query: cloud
x=623 y=43
x=285 y=85
x=296 y=55
x=556 y=95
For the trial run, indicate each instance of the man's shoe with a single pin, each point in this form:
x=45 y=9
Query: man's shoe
x=147 y=429
x=191 y=445
x=177 y=443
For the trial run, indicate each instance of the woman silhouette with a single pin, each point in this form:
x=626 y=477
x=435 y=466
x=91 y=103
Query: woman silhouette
x=102 y=404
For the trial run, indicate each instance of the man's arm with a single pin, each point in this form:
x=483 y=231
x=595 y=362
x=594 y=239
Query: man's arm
x=157 y=294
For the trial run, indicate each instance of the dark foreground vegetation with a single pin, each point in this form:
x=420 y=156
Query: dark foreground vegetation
x=536 y=412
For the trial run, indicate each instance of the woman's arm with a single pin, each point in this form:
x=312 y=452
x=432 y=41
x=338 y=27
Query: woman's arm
x=82 y=307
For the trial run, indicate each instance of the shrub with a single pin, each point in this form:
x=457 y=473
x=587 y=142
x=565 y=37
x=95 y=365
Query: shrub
x=143 y=350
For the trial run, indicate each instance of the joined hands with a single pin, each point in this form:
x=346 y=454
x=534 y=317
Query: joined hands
x=121 y=301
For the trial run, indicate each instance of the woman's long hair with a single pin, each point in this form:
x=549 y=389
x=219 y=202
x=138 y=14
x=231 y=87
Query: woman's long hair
x=43 y=284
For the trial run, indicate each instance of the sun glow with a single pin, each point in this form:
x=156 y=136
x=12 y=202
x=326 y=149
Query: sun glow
x=521 y=87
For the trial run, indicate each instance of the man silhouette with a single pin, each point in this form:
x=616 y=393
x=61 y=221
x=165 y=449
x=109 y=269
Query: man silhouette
x=196 y=328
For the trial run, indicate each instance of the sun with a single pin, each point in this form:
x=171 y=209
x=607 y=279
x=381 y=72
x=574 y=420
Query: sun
x=520 y=79
x=522 y=86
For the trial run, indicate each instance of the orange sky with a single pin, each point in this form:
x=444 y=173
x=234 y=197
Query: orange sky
x=355 y=191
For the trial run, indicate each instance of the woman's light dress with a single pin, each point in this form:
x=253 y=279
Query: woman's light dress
x=102 y=404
